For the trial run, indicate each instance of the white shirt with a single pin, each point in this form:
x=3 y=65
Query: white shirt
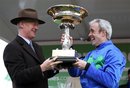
x=27 y=40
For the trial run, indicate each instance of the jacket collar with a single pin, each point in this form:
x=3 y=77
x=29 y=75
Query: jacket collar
x=27 y=48
x=104 y=44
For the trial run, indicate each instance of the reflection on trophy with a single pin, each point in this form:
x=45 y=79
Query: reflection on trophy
x=67 y=16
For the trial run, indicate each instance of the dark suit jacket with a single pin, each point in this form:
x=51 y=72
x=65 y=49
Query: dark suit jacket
x=23 y=65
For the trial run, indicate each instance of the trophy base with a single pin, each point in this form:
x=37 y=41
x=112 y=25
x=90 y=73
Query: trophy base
x=67 y=61
x=67 y=56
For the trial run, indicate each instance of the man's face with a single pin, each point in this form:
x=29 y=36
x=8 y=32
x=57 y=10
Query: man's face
x=95 y=34
x=29 y=29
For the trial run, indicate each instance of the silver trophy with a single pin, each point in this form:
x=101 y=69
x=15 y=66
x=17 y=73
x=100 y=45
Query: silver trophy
x=67 y=16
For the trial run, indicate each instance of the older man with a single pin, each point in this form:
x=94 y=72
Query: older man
x=23 y=58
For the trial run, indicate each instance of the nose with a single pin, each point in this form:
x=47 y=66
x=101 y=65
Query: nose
x=89 y=39
x=36 y=27
x=89 y=34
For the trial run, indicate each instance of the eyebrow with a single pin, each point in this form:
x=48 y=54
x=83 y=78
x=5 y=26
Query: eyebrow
x=91 y=29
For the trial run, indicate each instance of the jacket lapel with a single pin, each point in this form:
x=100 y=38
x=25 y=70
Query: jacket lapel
x=38 y=51
x=27 y=48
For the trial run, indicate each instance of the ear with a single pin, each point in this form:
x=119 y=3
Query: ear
x=20 y=24
x=104 y=34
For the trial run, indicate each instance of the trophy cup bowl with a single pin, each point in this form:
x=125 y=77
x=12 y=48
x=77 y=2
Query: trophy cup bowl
x=67 y=13
x=67 y=16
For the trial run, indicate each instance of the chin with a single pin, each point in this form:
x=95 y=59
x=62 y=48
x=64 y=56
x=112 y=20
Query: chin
x=93 y=43
x=32 y=37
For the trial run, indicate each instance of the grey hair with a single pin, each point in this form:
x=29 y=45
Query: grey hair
x=104 y=25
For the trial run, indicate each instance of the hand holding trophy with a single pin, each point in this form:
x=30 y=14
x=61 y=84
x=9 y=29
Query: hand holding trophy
x=67 y=16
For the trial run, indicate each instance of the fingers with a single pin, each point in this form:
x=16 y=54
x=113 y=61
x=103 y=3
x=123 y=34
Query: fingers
x=80 y=63
x=77 y=59
x=71 y=38
x=53 y=59
x=65 y=36
x=49 y=63
x=52 y=66
x=77 y=63
x=57 y=62
x=54 y=62
x=62 y=38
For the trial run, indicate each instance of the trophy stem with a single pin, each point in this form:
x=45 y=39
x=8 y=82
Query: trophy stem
x=67 y=43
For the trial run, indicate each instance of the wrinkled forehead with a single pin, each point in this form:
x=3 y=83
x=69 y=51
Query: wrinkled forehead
x=94 y=26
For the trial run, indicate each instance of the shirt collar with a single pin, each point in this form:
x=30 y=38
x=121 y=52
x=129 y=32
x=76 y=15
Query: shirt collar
x=27 y=40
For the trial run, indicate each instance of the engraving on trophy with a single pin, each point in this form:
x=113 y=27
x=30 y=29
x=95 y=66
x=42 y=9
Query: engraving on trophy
x=67 y=16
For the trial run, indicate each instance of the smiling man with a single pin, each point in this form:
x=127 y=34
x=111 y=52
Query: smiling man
x=23 y=57
x=102 y=67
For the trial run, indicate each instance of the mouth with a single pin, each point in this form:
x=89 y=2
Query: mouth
x=33 y=30
x=90 y=38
